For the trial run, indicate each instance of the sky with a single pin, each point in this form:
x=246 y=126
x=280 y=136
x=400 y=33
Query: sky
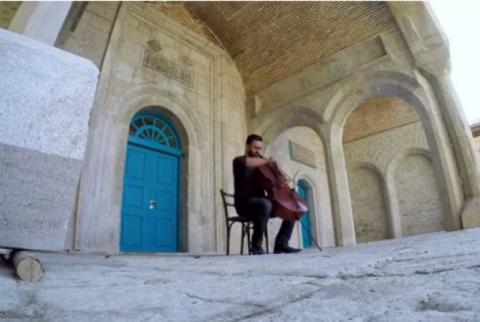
x=460 y=21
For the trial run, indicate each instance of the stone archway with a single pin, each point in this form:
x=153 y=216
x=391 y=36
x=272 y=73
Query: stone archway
x=396 y=84
x=273 y=125
x=102 y=179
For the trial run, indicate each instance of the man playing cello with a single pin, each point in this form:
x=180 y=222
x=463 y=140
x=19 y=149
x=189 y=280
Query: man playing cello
x=251 y=202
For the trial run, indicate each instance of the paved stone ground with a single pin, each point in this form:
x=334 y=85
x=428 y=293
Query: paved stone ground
x=432 y=277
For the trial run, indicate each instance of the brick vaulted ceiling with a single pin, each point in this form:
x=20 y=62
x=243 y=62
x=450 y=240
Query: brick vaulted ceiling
x=272 y=40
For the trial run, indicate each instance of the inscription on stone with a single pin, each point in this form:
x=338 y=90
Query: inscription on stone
x=154 y=60
x=303 y=155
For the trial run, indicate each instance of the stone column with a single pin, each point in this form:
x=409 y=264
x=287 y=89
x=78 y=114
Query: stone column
x=41 y=21
x=466 y=154
x=429 y=47
x=339 y=187
x=395 y=221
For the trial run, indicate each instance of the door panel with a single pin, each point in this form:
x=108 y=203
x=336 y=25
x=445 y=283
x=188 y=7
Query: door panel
x=131 y=226
x=150 y=201
x=303 y=191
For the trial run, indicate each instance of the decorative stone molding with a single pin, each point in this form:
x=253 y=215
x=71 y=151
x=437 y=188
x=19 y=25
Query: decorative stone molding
x=422 y=32
x=155 y=61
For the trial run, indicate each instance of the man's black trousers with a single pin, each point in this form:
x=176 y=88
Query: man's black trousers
x=259 y=210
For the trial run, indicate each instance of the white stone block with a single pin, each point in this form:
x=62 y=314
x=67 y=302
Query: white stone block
x=46 y=94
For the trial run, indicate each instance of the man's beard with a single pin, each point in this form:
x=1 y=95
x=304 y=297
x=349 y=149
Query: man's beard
x=253 y=154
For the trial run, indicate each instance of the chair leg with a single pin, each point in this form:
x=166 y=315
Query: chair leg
x=249 y=239
x=228 y=239
x=243 y=237
x=266 y=239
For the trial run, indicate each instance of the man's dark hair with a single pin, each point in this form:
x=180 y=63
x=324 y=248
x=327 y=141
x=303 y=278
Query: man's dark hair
x=253 y=137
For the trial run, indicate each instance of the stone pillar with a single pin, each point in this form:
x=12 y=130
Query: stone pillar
x=429 y=47
x=339 y=187
x=395 y=221
x=41 y=21
x=464 y=147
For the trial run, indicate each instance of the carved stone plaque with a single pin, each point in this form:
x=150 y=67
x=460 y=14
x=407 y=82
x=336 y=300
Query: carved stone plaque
x=159 y=63
x=303 y=155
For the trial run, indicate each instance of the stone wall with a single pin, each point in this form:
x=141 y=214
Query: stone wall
x=320 y=215
x=368 y=202
x=153 y=61
x=7 y=12
x=419 y=201
x=378 y=115
x=87 y=29
x=43 y=133
x=88 y=26
x=393 y=153
x=323 y=96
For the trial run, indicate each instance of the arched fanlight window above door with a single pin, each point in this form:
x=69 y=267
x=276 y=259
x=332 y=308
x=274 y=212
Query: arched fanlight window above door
x=154 y=130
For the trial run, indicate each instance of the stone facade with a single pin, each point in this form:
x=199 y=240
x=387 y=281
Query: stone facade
x=208 y=111
x=413 y=162
x=88 y=28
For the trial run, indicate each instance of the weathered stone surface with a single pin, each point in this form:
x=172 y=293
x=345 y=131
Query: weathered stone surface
x=46 y=97
x=37 y=198
x=87 y=29
x=45 y=102
x=432 y=277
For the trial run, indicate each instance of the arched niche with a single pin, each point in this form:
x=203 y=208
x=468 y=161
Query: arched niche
x=419 y=96
x=370 y=214
x=419 y=200
x=284 y=149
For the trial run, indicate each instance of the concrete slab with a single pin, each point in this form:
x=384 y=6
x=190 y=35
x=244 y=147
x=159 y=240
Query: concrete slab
x=433 y=277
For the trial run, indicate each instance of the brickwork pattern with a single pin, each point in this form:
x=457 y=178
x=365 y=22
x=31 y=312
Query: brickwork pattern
x=179 y=13
x=415 y=186
x=420 y=205
x=376 y=116
x=369 y=212
x=271 y=40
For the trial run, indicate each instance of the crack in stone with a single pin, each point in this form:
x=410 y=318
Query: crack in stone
x=419 y=259
x=265 y=309
x=436 y=271
x=209 y=300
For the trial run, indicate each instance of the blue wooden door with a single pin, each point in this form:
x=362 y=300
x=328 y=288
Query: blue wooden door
x=304 y=192
x=151 y=189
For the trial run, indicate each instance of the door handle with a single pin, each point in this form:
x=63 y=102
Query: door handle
x=151 y=204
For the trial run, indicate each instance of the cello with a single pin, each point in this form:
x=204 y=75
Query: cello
x=287 y=203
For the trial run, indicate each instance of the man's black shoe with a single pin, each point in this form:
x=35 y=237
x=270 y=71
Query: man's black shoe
x=258 y=251
x=278 y=249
